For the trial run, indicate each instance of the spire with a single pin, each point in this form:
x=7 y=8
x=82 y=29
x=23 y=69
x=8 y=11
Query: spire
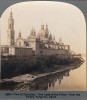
x=60 y=41
x=42 y=26
x=11 y=14
x=10 y=31
x=46 y=26
x=46 y=31
x=33 y=33
x=53 y=37
x=50 y=35
x=19 y=34
x=54 y=40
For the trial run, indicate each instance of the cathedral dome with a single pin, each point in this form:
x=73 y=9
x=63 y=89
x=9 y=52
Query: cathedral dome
x=19 y=36
x=41 y=31
x=60 y=41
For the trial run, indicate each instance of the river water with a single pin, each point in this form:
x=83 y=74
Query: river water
x=74 y=81
x=69 y=80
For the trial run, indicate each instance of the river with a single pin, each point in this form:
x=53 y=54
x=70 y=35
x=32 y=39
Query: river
x=69 y=80
x=75 y=81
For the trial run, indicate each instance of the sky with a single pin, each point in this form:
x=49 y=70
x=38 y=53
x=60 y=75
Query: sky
x=64 y=20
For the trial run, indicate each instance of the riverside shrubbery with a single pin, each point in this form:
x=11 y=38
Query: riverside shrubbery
x=24 y=65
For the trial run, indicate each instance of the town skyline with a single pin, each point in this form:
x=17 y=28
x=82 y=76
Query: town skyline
x=57 y=29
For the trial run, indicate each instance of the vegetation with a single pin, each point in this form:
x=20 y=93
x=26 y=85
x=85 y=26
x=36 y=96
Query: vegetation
x=13 y=66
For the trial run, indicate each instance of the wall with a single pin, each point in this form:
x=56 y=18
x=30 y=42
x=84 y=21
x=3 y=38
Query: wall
x=34 y=44
x=53 y=51
x=23 y=51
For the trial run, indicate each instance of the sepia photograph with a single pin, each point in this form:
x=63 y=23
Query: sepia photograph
x=43 y=47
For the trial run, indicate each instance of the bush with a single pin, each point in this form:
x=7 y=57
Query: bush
x=23 y=65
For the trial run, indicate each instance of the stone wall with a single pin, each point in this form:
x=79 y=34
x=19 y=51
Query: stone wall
x=17 y=51
x=23 y=51
x=53 y=51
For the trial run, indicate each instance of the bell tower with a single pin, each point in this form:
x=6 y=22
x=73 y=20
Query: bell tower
x=10 y=31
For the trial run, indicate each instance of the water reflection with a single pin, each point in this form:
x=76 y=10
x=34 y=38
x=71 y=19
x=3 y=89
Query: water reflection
x=48 y=82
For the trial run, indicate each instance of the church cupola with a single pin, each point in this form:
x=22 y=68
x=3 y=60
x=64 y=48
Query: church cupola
x=41 y=33
x=19 y=34
x=50 y=36
x=46 y=27
x=33 y=33
x=42 y=27
x=20 y=41
x=54 y=40
x=60 y=41
x=46 y=31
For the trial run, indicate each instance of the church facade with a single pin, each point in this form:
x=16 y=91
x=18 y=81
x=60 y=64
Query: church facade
x=40 y=43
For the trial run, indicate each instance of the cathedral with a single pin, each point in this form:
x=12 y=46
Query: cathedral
x=37 y=43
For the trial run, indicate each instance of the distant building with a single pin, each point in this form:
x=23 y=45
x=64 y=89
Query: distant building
x=42 y=43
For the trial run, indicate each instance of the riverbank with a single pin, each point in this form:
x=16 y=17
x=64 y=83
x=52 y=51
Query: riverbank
x=31 y=77
x=12 y=67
